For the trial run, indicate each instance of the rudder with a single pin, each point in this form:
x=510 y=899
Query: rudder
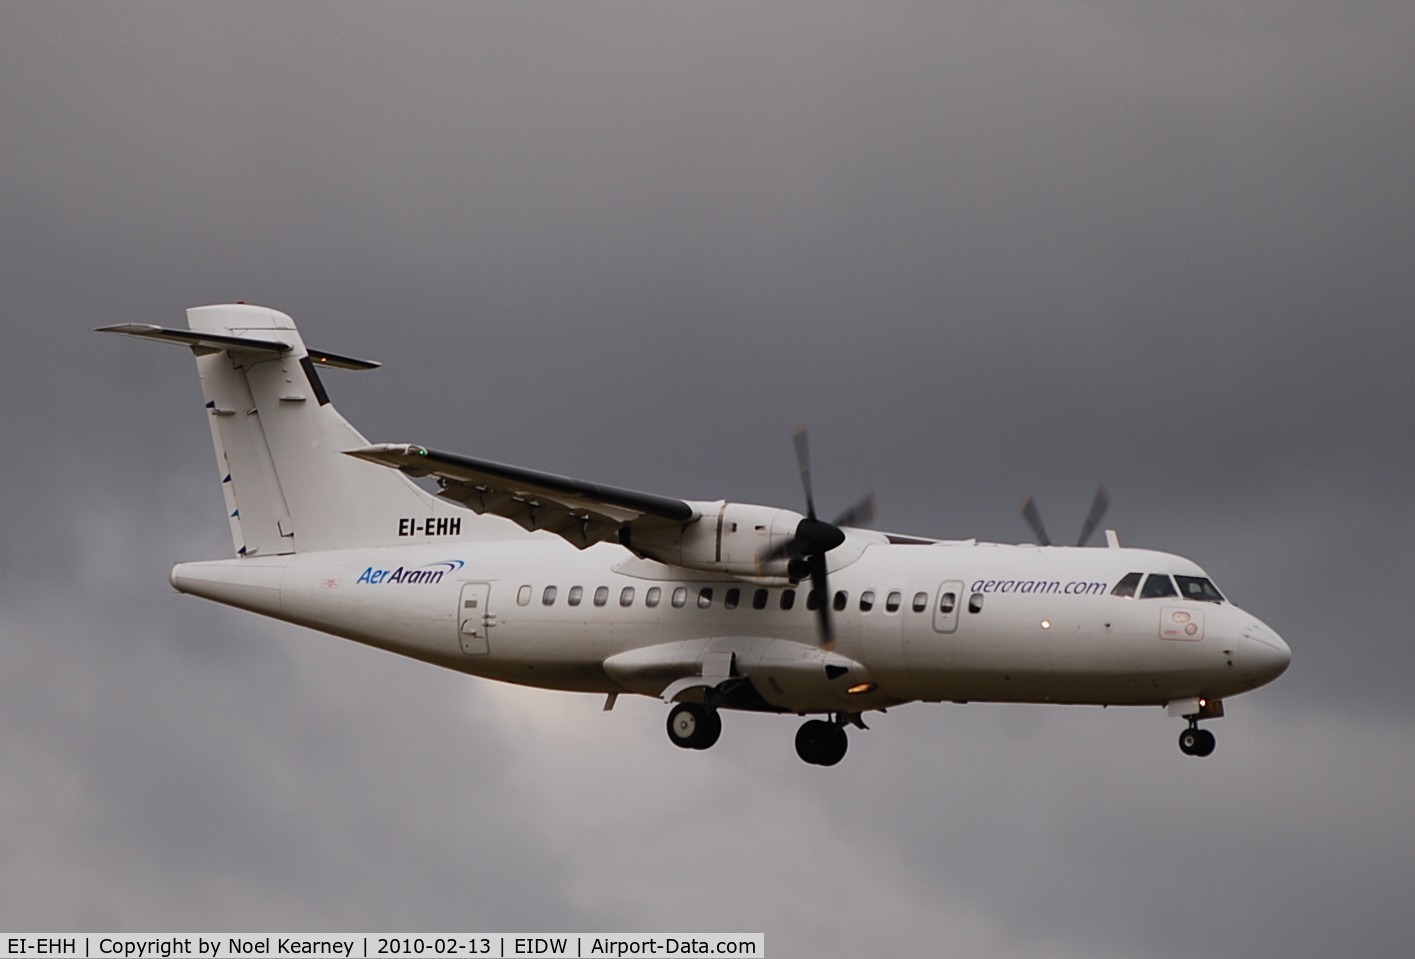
x=279 y=442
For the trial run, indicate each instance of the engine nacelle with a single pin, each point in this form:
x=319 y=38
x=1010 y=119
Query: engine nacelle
x=726 y=538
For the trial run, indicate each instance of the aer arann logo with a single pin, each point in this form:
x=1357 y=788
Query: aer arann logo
x=412 y=576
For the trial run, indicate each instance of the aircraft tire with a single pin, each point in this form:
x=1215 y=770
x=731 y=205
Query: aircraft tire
x=821 y=743
x=691 y=726
x=1196 y=742
x=709 y=729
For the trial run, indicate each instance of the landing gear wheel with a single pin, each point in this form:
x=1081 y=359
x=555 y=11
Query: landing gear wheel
x=1196 y=742
x=709 y=730
x=821 y=743
x=691 y=726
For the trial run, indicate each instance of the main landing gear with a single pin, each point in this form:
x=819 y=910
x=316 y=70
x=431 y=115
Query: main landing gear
x=819 y=742
x=691 y=726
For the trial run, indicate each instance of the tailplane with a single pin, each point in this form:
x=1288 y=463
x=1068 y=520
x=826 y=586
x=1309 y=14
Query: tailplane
x=279 y=442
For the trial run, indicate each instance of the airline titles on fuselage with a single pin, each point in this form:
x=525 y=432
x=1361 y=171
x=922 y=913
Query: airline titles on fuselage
x=1078 y=588
x=416 y=576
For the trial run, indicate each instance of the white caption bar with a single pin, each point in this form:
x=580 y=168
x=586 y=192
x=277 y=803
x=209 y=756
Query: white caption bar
x=493 y=945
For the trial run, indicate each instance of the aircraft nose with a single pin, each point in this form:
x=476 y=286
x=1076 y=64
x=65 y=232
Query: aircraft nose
x=1265 y=655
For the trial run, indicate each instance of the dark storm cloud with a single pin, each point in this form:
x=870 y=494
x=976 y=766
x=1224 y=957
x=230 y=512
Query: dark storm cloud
x=983 y=249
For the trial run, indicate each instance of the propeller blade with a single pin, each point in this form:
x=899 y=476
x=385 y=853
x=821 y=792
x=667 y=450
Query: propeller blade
x=812 y=537
x=825 y=626
x=803 y=459
x=861 y=514
x=1093 y=519
x=1034 y=519
x=780 y=551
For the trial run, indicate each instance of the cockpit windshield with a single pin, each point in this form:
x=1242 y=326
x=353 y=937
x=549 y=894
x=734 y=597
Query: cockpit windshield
x=1127 y=586
x=1157 y=586
x=1161 y=586
x=1198 y=588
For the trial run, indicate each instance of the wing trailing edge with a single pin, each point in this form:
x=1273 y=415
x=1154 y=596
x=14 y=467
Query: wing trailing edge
x=582 y=512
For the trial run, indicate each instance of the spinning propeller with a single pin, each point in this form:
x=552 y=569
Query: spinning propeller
x=1093 y=519
x=805 y=550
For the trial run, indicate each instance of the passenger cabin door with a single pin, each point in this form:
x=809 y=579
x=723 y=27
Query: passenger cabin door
x=474 y=618
x=950 y=597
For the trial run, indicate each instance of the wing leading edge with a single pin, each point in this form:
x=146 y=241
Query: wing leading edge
x=581 y=512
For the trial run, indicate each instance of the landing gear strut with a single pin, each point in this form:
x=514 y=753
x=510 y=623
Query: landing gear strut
x=691 y=726
x=1195 y=741
x=821 y=743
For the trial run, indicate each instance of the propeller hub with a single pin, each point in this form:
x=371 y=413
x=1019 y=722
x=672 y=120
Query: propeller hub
x=814 y=537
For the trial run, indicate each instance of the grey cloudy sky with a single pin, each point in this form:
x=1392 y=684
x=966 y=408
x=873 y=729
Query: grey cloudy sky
x=984 y=249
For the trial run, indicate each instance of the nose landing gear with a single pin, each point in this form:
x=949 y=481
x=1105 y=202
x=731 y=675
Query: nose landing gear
x=1195 y=741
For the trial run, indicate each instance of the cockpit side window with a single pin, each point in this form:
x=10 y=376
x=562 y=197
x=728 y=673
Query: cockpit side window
x=1127 y=586
x=1158 y=585
x=1198 y=588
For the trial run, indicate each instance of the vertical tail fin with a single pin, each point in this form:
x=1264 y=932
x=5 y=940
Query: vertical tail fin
x=278 y=441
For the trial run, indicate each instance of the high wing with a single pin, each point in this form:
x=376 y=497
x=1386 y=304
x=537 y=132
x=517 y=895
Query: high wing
x=581 y=512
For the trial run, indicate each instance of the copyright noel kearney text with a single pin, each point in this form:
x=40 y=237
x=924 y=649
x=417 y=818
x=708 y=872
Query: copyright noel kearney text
x=207 y=946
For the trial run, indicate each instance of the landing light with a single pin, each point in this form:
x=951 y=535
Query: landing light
x=1046 y=624
x=859 y=688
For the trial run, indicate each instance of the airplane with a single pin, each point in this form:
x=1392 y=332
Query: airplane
x=547 y=581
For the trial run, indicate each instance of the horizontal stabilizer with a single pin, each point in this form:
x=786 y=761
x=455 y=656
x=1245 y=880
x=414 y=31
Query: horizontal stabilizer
x=203 y=343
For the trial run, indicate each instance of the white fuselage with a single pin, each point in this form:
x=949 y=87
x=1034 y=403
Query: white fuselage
x=940 y=622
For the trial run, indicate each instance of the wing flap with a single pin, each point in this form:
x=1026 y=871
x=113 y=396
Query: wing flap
x=581 y=512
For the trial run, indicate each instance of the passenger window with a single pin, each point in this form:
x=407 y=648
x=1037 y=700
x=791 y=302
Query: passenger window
x=575 y=595
x=788 y=598
x=1198 y=588
x=547 y=598
x=1127 y=586
x=680 y=597
x=867 y=601
x=813 y=601
x=732 y=597
x=651 y=598
x=892 y=601
x=1157 y=586
x=921 y=602
x=523 y=596
x=947 y=603
x=601 y=596
x=759 y=599
x=975 y=603
x=842 y=599
x=705 y=597
x=626 y=596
